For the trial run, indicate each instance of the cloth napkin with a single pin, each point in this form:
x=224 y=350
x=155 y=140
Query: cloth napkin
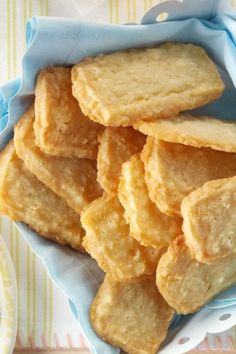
x=55 y=34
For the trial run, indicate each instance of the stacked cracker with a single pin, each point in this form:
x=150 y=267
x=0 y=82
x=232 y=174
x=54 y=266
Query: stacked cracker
x=48 y=170
x=108 y=164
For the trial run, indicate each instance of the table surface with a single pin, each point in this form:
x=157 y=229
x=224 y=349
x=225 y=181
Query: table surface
x=45 y=351
x=34 y=285
x=81 y=351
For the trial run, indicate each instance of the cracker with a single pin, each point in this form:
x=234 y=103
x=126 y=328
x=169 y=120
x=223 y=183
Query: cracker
x=172 y=171
x=198 y=131
x=209 y=220
x=24 y=198
x=133 y=316
x=117 y=145
x=72 y=179
x=147 y=223
x=187 y=284
x=108 y=240
x=60 y=127
x=123 y=88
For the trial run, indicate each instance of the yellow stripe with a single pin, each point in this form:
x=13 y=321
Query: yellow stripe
x=145 y=6
x=117 y=11
x=14 y=243
x=27 y=12
x=41 y=8
x=50 y=312
x=30 y=8
x=34 y=298
x=28 y=294
x=11 y=239
x=18 y=274
x=110 y=11
x=128 y=11
x=134 y=11
x=47 y=8
x=8 y=41
x=24 y=17
x=24 y=11
x=45 y=302
x=1 y=225
x=14 y=36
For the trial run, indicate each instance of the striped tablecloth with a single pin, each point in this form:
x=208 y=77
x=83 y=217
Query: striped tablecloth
x=44 y=318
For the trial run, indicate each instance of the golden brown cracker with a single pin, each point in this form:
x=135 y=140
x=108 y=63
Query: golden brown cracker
x=187 y=284
x=24 y=198
x=60 y=127
x=123 y=88
x=72 y=179
x=133 y=316
x=172 y=171
x=147 y=223
x=116 y=146
x=198 y=131
x=108 y=240
x=209 y=220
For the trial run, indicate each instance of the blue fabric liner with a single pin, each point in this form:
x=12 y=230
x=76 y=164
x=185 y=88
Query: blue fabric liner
x=54 y=41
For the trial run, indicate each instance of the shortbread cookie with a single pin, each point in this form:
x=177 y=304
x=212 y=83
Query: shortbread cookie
x=123 y=88
x=147 y=223
x=72 y=179
x=24 y=198
x=60 y=127
x=116 y=146
x=209 y=220
x=187 y=284
x=172 y=171
x=198 y=131
x=133 y=316
x=108 y=240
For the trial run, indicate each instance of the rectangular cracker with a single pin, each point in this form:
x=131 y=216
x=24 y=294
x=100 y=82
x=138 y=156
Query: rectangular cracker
x=198 y=131
x=209 y=220
x=185 y=283
x=24 y=198
x=172 y=171
x=108 y=241
x=133 y=316
x=72 y=179
x=60 y=127
x=123 y=88
x=116 y=146
x=148 y=224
